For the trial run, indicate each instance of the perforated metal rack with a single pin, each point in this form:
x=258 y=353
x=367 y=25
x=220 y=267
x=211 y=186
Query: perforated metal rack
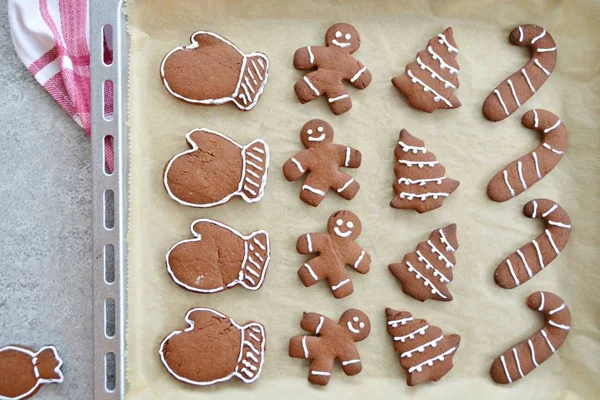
x=107 y=23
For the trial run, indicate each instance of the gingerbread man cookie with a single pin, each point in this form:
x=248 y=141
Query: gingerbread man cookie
x=508 y=96
x=528 y=354
x=322 y=160
x=528 y=170
x=23 y=370
x=425 y=352
x=430 y=81
x=336 y=250
x=533 y=257
x=334 y=64
x=331 y=341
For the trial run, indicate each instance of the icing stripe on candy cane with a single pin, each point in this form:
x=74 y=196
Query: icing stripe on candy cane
x=523 y=173
x=533 y=257
x=518 y=361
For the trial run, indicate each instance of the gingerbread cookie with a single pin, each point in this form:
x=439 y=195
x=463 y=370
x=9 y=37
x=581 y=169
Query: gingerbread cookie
x=430 y=81
x=421 y=182
x=425 y=352
x=219 y=258
x=213 y=71
x=528 y=354
x=216 y=169
x=336 y=249
x=525 y=172
x=23 y=371
x=530 y=259
x=425 y=272
x=334 y=64
x=213 y=349
x=520 y=86
x=332 y=340
x=322 y=160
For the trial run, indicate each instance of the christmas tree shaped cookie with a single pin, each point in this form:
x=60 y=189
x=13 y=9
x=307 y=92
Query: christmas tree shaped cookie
x=425 y=272
x=421 y=182
x=430 y=81
x=425 y=353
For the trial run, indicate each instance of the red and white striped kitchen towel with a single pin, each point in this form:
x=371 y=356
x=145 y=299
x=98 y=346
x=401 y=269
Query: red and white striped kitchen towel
x=51 y=37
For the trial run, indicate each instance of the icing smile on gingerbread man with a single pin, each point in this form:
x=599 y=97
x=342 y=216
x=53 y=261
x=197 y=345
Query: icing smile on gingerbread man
x=351 y=328
x=335 y=64
x=340 y=224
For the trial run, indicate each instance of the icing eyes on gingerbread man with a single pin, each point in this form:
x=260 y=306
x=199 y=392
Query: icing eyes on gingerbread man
x=344 y=36
x=316 y=131
x=344 y=224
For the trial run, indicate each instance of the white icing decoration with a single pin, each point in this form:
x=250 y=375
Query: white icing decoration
x=334 y=99
x=549 y=235
x=430 y=361
x=435 y=75
x=542 y=301
x=558 y=309
x=505 y=369
x=443 y=64
x=420 y=164
x=355 y=361
x=359 y=259
x=339 y=285
x=358 y=74
x=401 y=321
x=351 y=327
x=310 y=55
x=426 y=281
x=518 y=362
x=537 y=166
x=445 y=241
x=319 y=138
x=419 y=331
x=239 y=192
x=527 y=79
x=340 y=44
x=320 y=373
x=243 y=266
x=512 y=272
x=525 y=264
x=539 y=254
x=521 y=178
x=444 y=41
x=304 y=347
x=559 y=224
x=520 y=33
x=313 y=190
x=535 y=206
x=244 y=374
x=547 y=146
x=311 y=272
x=422 y=347
x=437 y=97
x=532 y=353
x=406 y=148
x=428 y=265
x=546 y=50
x=512 y=192
x=297 y=163
x=514 y=93
x=548 y=341
x=421 y=182
x=341 y=234
x=550 y=211
x=321 y=321
x=423 y=197
x=535 y=60
x=309 y=241
x=340 y=190
x=310 y=85
x=441 y=256
x=501 y=101
x=535 y=119
x=541 y=35
x=245 y=57
x=552 y=127
x=347 y=159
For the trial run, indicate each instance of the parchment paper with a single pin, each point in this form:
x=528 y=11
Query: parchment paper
x=489 y=318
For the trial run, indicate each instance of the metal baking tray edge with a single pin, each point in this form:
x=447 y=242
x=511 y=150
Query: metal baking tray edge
x=110 y=202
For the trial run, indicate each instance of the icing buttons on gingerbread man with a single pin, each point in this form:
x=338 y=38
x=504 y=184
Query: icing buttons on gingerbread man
x=331 y=341
x=334 y=64
x=322 y=160
x=335 y=249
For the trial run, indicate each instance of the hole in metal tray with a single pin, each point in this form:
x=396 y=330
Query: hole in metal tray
x=109 y=318
x=109 y=155
x=109 y=209
x=107 y=42
x=110 y=368
x=108 y=99
x=109 y=263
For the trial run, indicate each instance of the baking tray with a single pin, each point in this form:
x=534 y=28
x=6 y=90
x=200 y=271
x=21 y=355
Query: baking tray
x=107 y=23
x=110 y=382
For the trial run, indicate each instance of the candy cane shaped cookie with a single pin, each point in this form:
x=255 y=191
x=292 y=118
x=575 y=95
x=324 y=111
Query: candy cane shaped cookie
x=527 y=355
x=508 y=96
x=530 y=259
x=528 y=170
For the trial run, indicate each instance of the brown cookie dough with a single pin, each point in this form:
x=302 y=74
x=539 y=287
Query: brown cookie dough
x=533 y=257
x=425 y=352
x=23 y=370
x=213 y=348
x=213 y=71
x=430 y=81
x=508 y=96
x=331 y=341
x=425 y=273
x=336 y=249
x=219 y=258
x=216 y=169
x=334 y=64
x=525 y=172
x=421 y=182
x=322 y=160
x=528 y=354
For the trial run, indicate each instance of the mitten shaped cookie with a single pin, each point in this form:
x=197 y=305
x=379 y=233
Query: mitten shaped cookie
x=430 y=81
x=528 y=170
x=522 y=85
x=421 y=182
x=425 y=273
x=23 y=370
x=216 y=169
x=533 y=257
x=213 y=71
x=334 y=64
x=331 y=341
x=213 y=348
x=425 y=352
x=219 y=258
x=528 y=354
x=322 y=160
x=336 y=250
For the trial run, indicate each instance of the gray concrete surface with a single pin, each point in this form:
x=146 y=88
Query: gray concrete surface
x=45 y=225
